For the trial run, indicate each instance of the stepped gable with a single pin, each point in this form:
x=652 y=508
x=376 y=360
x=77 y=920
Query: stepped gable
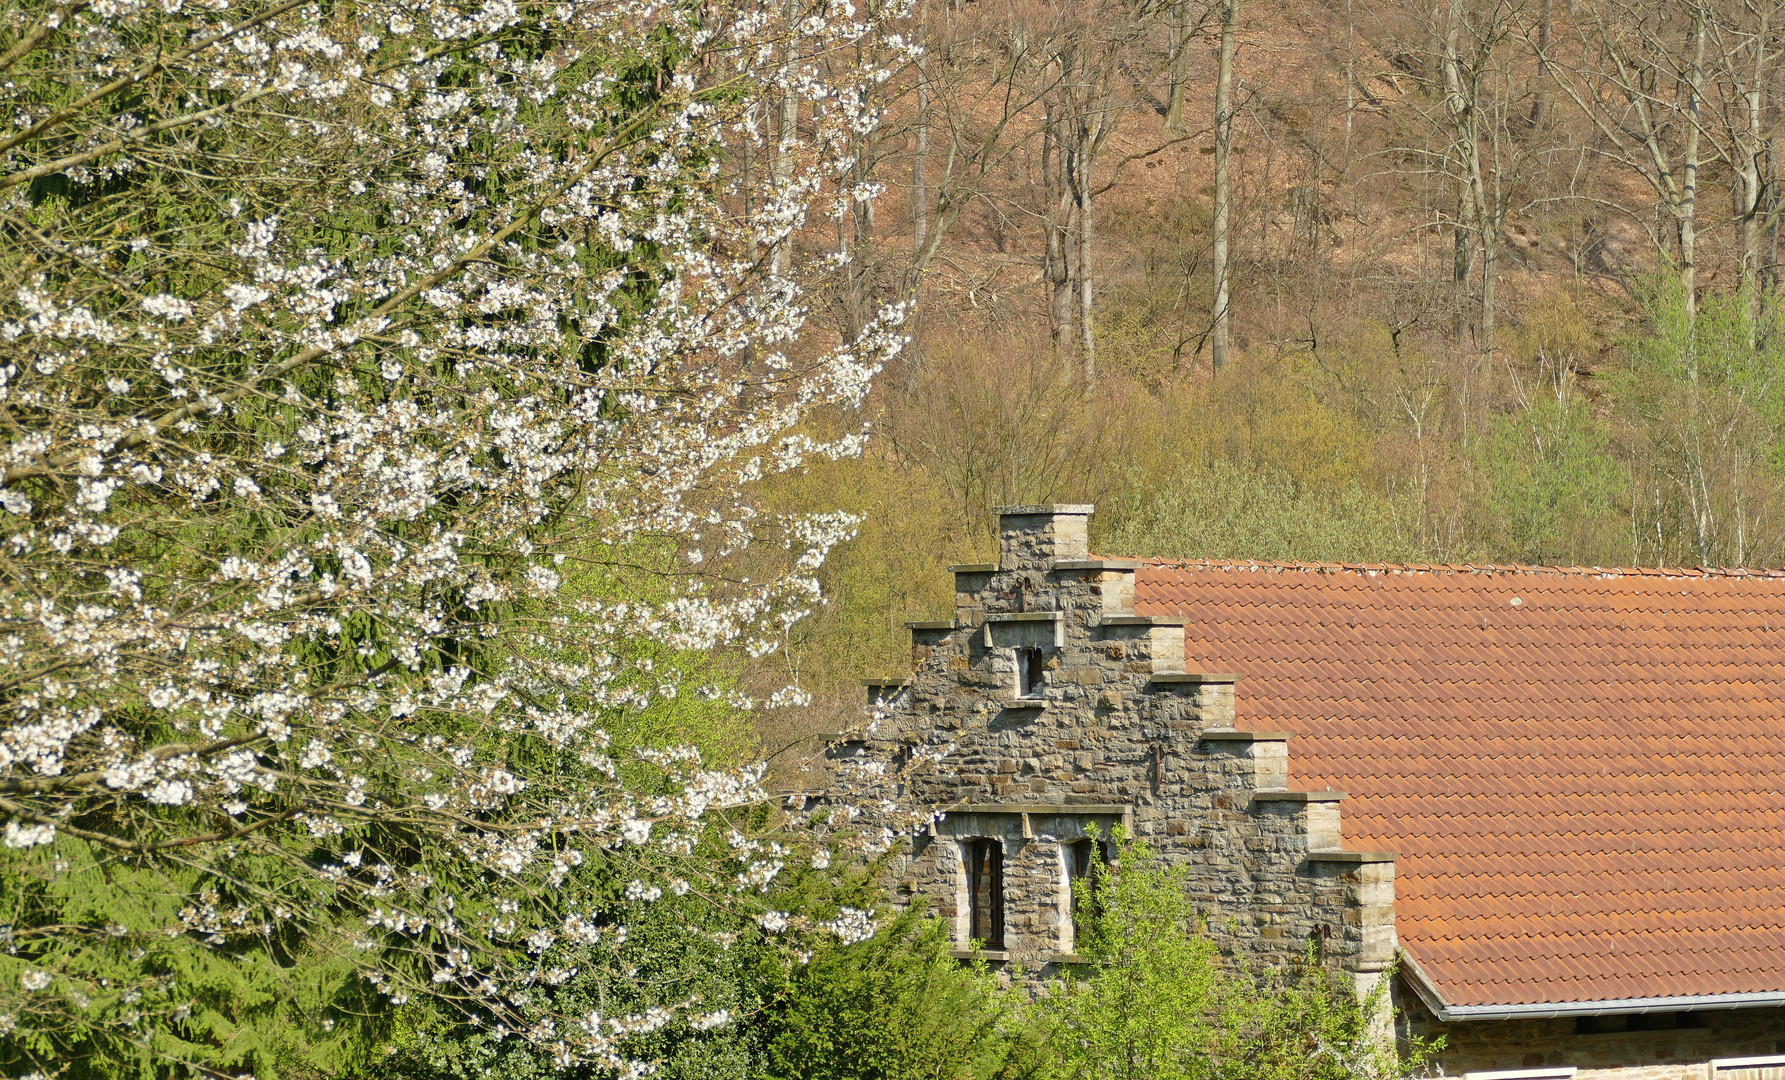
x=1581 y=768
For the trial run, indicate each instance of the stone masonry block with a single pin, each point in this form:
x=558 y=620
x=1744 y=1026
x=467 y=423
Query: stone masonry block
x=1110 y=737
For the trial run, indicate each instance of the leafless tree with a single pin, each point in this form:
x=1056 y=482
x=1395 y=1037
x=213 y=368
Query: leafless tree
x=1229 y=18
x=1179 y=30
x=1636 y=71
x=1478 y=93
x=1743 y=122
x=1468 y=136
x=970 y=113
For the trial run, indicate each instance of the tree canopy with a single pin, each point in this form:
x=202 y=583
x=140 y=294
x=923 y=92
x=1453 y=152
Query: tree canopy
x=379 y=382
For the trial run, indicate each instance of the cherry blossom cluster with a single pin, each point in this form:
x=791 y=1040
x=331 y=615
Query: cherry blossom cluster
x=374 y=380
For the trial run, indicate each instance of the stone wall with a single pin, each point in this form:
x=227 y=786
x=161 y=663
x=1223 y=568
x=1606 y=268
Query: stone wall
x=1117 y=732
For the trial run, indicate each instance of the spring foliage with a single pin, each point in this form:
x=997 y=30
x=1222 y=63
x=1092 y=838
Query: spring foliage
x=1153 y=1000
x=344 y=347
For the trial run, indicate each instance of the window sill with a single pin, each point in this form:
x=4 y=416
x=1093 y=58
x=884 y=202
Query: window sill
x=1025 y=703
x=994 y=955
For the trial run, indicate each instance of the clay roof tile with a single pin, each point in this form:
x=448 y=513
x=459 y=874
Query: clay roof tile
x=1583 y=787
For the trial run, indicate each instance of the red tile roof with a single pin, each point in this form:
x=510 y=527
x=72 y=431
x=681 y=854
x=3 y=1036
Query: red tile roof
x=1582 y=769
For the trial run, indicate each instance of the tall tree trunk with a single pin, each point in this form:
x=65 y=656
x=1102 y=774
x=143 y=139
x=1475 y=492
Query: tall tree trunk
x=1057 y=258
x=1490 y=269
x=920 y=195
x=1769 y=277
x=861 y=269
x=1770 y=202
x=1350 y=79
x=1462 y=265
x=1751 y=173
x=1087 y=341
x=1480 y=213
x=1457 y=109
x=1747 y=214
x=1540 y=98
x=1177 y=63
x=749 y=158
x=1223 y=181
x=1687 y=213
x=787 y=131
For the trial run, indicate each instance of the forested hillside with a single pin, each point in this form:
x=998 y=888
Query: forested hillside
x=445 y=445
x=1499 y=284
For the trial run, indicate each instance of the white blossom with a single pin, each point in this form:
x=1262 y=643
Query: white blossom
x=18 y=836
x=167 y=307
x=302 y=512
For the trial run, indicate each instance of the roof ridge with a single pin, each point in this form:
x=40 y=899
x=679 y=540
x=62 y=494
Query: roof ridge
x=1508 y=569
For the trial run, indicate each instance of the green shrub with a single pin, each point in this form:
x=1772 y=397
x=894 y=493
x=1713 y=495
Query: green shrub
x=1152 y=999
x=897 y=1007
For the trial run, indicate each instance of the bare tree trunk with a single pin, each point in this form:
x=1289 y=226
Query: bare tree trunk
x=1771 y=204
x=1490 y=269
x=1223 y=183
x=1462 y=266
x=1177 y=63
x=920 y=194
x=1766 y=284
x=1540 y=98
x=1750 y=170
x=1479 y=144
x=1688 y=204
x=861 y=269
x=1087 y=340
x=749 y=158
x=1458 y=108
x=1350 y=78
x=1057 y=258
x=1748 y=194
x=1769 y=276
x=788 y=129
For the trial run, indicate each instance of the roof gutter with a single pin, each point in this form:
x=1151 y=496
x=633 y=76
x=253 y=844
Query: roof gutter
x=1428 y=994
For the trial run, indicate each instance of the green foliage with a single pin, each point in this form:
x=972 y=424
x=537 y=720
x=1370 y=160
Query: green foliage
x=280 y=1004
x=677 y=949
x=910 y=529
x=1224 y=510
x=1553 y=486
x=710 y=721
x=1152 y=1001
x=1703 y=409
x=286 y=1008
x=896 y=1007
x=1307 y=1022
x=1140 y=1007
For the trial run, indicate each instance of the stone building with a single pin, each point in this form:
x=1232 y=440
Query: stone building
x=1556 y=794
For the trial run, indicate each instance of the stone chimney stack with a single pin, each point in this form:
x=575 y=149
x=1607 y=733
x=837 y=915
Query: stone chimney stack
x=1032 y=537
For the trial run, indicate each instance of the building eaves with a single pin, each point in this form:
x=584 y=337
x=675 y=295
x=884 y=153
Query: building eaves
x=1434 y=1001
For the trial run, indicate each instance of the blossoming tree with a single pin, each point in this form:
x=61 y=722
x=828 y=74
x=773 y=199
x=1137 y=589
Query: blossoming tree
x=335 y=339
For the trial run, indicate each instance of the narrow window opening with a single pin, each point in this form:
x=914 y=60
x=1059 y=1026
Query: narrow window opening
x=1085 y=861
x=1660 y=1021
x=1028 y=673
x=1749 y=1068
x=985 y=892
